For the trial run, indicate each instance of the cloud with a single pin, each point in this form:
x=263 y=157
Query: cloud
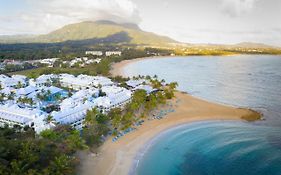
x=236 y=8
x=43 y=16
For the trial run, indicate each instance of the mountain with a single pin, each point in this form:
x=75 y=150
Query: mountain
x=253 y=45
x=125 y=33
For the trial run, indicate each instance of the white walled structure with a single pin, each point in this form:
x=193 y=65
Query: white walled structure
x=110 y=53
x=96 y=53
x=11 y=115
x=71 y=110
x=73 y=116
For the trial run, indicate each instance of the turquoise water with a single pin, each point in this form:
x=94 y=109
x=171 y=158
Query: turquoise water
x=218 y=148
x=214 y=148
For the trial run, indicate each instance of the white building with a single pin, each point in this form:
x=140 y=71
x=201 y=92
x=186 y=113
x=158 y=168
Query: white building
x=49 y=61
x=73 y=116
x=79 y=97
x=115 y=97
x=135 y=83
x=75 y=61
x=148 y=89
x=11 y=114
x=26 y=91
x=83 y=81
x=13 y=81
x=71 y=81
x=45 y=79
x=110 y=53
x=96 y=53
x=7 y=90
x=72 y=109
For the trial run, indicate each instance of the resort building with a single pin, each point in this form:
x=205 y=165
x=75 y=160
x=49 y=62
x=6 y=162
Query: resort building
x=95 y=53
x=73 y=82
x=79 y=97
x=135 y=83
x=45 y=80
x=8 y=90
x=49 y=61
x=31 y=104
x=25 y=91
x=149 y=89
x=12 y=114
x=73 y=116
x=13 y=81
x=115 y=97
x=110 y=53
x=84 y=81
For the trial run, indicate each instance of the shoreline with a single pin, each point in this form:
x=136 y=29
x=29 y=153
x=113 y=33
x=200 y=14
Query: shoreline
x=120 y=157
x=116 y=68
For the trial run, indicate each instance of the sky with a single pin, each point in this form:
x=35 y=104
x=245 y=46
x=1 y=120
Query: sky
x=190 y=21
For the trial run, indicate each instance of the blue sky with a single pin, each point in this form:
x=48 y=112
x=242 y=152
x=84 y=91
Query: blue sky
x=193 y=21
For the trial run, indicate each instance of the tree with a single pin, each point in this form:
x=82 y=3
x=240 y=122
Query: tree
x=90 y=118
x=2 y=97
x=95 y=126
x=115 y=115
x=11 y=96
x=19 y=85
x=49 y=119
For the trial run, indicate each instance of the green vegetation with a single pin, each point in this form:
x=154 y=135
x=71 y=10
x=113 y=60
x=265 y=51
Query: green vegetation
x=15 y=67
x=53 y=151
x=103 y=68
x=25 y=153
x=225 y=50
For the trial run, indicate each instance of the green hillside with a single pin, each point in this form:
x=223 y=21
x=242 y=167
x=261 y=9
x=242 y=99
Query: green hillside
x=96 y=30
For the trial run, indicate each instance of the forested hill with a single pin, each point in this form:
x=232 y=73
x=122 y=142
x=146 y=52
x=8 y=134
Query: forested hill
x=88 y=30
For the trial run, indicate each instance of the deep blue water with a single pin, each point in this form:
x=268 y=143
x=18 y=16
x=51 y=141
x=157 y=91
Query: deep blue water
x=219 y=148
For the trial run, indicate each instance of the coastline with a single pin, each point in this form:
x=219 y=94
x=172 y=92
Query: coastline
x=119 y=157
x=116 y=68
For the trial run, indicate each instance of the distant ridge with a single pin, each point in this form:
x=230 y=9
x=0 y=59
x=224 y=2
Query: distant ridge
x=253 y=45
x=105 y=31
x=94 y=30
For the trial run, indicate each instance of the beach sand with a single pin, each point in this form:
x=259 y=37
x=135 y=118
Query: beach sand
x=117 y=68
x=117 y=158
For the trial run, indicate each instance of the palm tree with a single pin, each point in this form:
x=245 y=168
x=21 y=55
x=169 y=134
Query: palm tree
x=90 y=118
x=173 y=85
x=48 y=82
x=2 y=97
x=19 y=85
x=49 y=119
x=11 y=96
x=155 y=76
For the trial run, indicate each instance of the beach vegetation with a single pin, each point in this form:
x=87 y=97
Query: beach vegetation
x=23 y=152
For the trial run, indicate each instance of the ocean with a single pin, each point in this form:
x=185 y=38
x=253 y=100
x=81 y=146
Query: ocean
x=218 y=148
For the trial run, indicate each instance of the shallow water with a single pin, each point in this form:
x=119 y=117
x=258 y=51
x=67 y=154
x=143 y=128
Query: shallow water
x=219 y=148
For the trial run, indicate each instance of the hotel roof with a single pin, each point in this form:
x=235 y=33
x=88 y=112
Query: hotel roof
x=15 y=113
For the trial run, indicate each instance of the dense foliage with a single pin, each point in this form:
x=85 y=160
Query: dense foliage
x=22 y=152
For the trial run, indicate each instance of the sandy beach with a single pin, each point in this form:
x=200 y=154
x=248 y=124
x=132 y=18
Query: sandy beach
x=116 y=69
x=117 y=158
